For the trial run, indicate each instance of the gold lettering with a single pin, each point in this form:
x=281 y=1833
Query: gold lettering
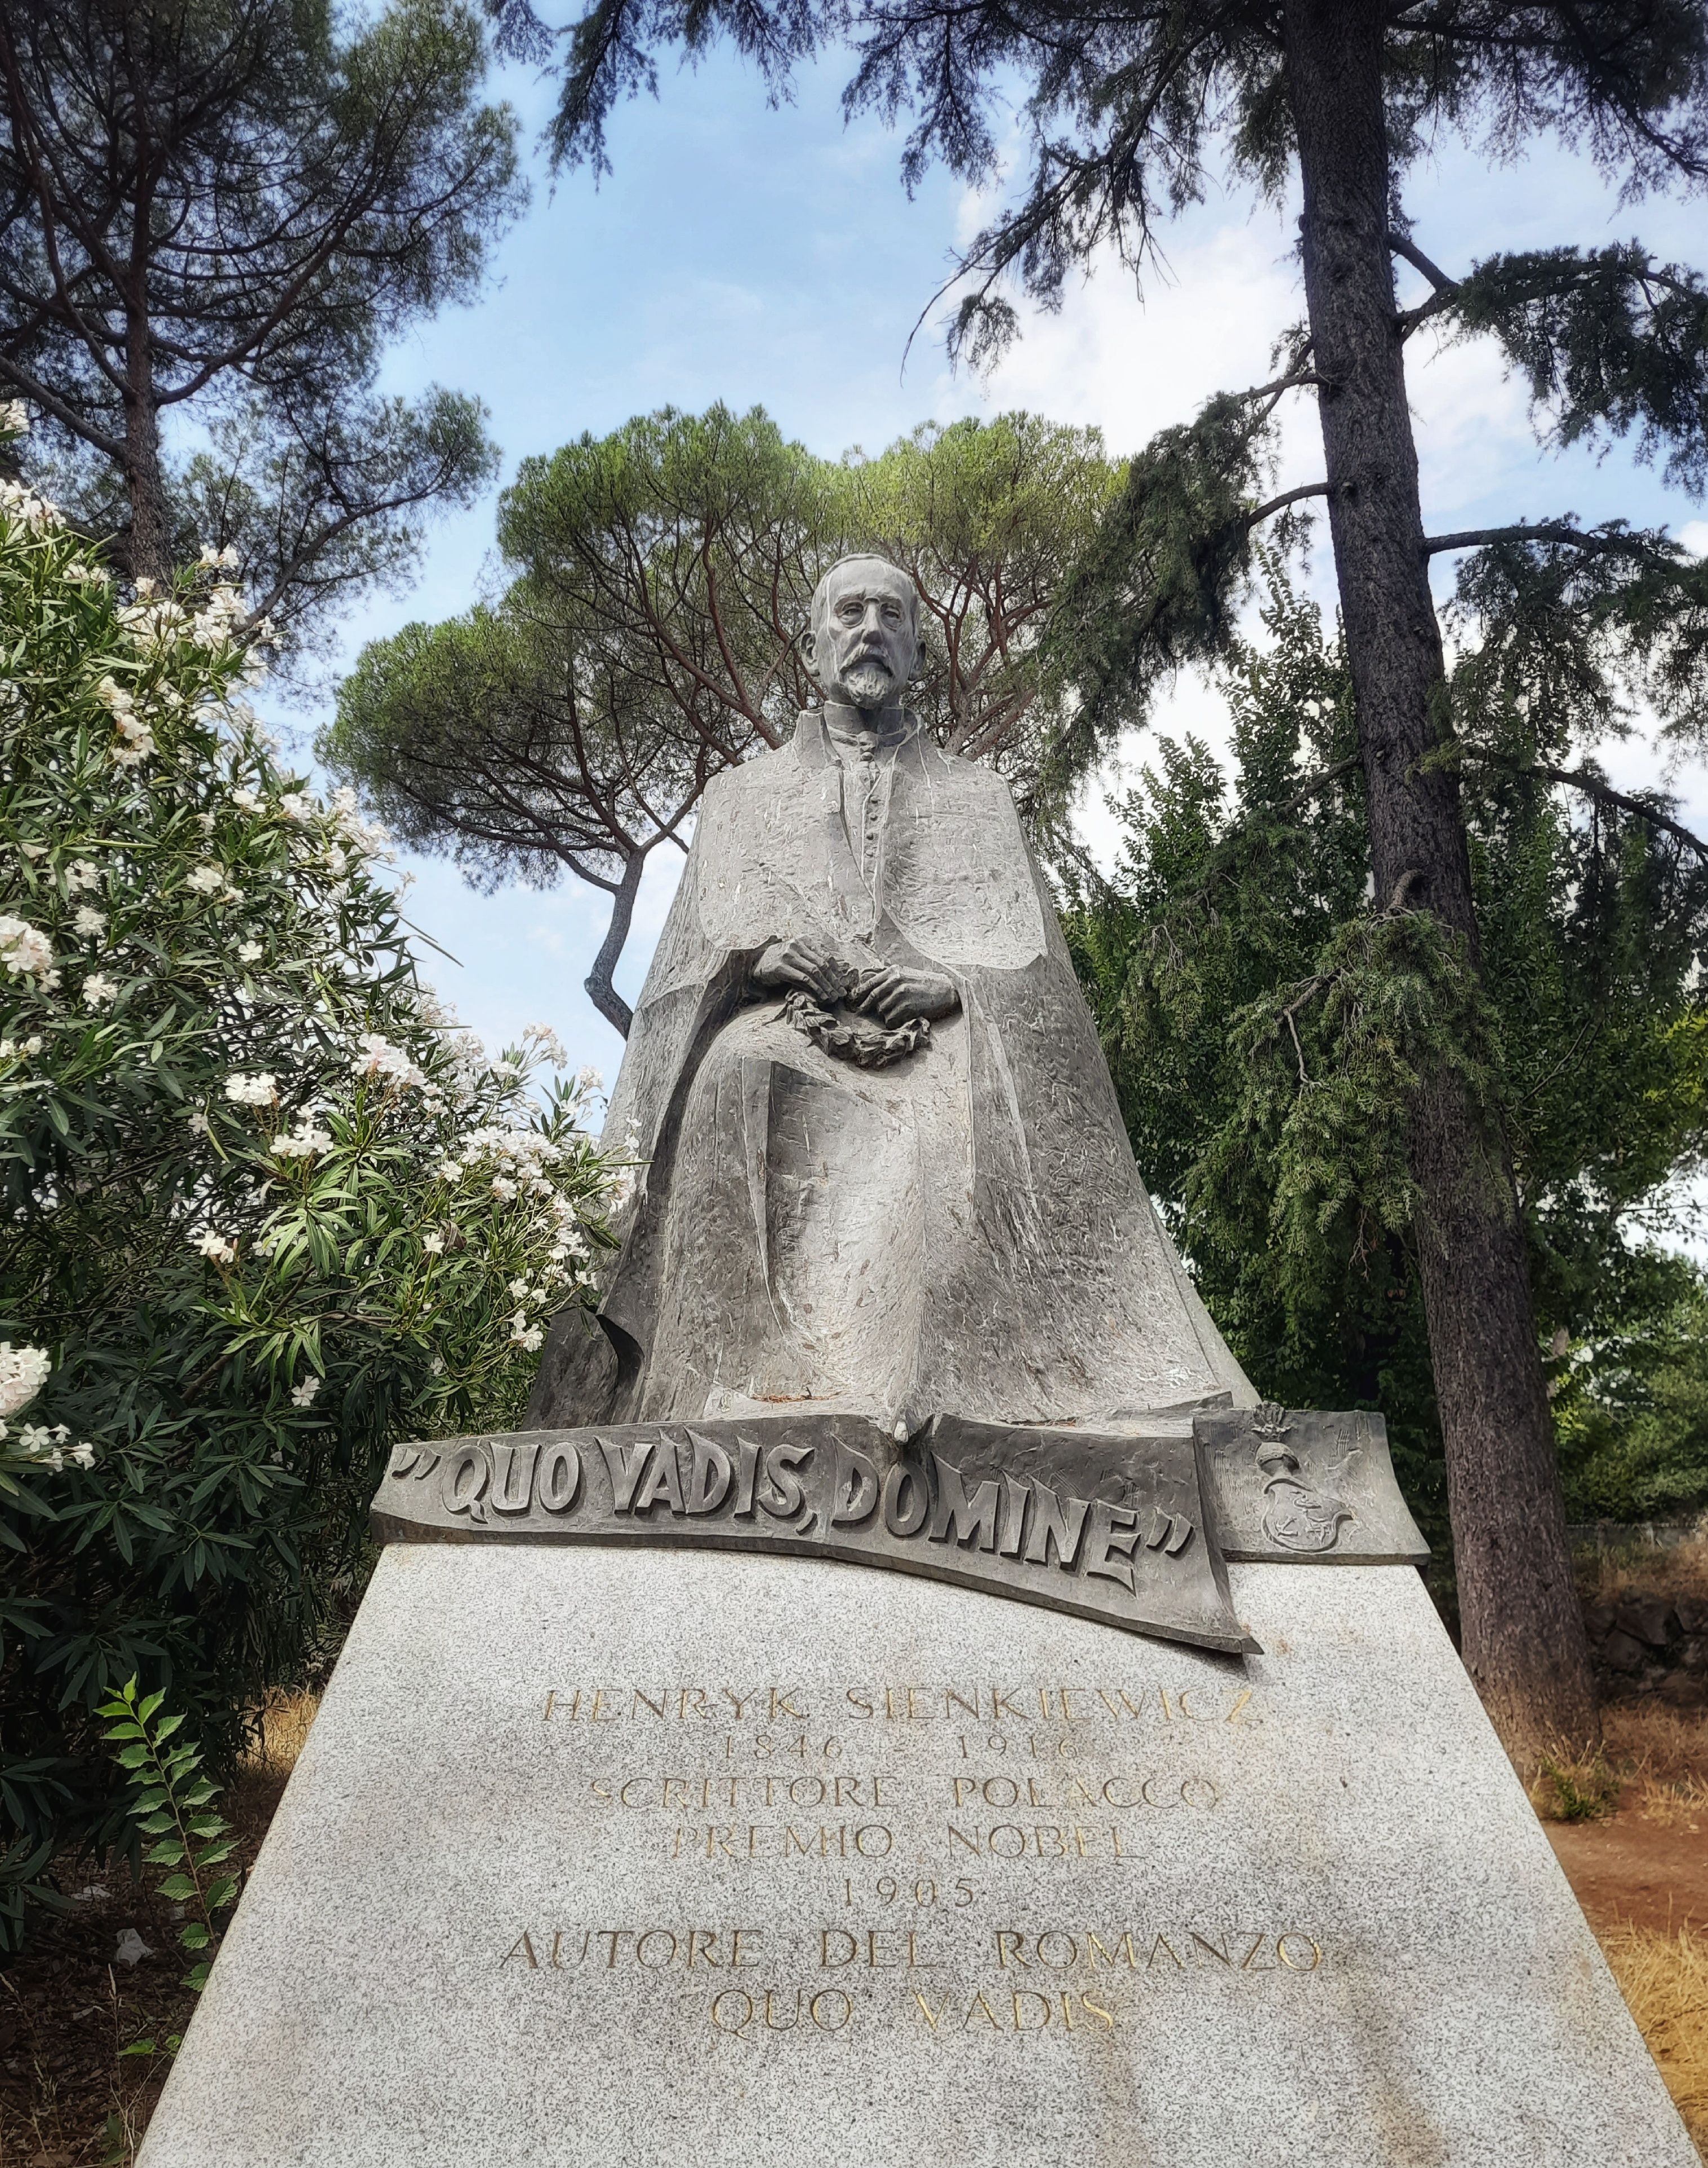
x=523 y=1947
x=1292 y=1965
x=1248 y=1965
x=1220 y=1953
x=737 y=1964
x=933 y=2017
x=657 y=1707
x=1096 y=2010
x=1005 y=1935
x=1162 y=1943
x=1095 y=1949
x=1030 y=1995
x=826 y=1962
x=781 y=1704
x=983 y=2010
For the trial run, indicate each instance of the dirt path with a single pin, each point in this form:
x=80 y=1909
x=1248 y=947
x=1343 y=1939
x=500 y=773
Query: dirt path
x=1630 y=1870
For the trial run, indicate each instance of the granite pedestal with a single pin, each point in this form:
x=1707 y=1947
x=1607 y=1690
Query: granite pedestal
x=613 y=1857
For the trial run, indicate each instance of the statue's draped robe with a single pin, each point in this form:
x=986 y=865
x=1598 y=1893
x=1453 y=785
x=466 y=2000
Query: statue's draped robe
x=964 y=1231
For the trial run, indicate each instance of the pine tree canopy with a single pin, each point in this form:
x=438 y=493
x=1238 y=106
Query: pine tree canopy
x=223 y=211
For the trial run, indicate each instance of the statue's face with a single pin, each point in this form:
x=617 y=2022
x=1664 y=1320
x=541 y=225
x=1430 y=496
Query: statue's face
x=864 y=645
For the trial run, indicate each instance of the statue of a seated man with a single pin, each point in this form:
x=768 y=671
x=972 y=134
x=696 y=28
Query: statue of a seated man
x=886 y=1171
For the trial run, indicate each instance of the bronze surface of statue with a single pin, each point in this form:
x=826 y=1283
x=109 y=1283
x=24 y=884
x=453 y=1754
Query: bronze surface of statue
x=885 y=1168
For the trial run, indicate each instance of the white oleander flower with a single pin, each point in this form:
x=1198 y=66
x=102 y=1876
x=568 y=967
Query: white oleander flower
x=25 y=950
x=206 y=880
x=214 y=1246
x=15 y=419
x=99 y=991
x=303 y=1396
x=82 y=574
x=260 y=1089
x=589 y=1080
x=35 y=513
x=250 y=952
x=247 y=800
x=88 y=922
x=81 y=873
x=378 y=1057
x=433 y=1244
x=502 y=1190
x=23 y=1371
x=213 y=559
x=449 y=1170
x=296 y=805
x=437 y=1365
x=83 y=1455
x=303 y=1141
x=199 y=1123
x=519 y=1289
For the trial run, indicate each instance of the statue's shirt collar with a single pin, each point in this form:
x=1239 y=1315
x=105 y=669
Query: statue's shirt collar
x=877 y=734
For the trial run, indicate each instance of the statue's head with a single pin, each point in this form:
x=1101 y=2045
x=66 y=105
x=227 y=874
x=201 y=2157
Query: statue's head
x=864 y=641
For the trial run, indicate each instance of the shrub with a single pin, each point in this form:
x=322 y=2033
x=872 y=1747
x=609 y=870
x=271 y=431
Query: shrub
x=265 y=1209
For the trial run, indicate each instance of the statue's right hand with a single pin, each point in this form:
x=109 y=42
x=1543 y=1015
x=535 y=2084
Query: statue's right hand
x=805 y=964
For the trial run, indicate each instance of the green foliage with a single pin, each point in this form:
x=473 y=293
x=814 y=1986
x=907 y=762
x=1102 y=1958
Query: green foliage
x=1609 y=341
x=296 y=185
x=1631 y=1398
x=171 y=1805
x=1266 y=1019
x=263 y=1209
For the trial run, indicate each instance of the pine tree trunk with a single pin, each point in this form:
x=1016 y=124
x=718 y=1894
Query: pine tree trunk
x=601 y=992
x=150 y=547
x=1523 y=1631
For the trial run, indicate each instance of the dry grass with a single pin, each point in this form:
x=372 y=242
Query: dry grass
x=1644 y=1569
x=1662 y=1755
x=1653 y=1759
x=286 y=1721
x=1664 y=1981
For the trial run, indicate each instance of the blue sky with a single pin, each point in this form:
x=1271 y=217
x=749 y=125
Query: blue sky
x=771 y=256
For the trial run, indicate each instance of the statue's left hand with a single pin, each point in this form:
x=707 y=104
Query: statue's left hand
x=898 y=995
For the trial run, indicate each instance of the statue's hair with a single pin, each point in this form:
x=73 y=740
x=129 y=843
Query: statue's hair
x=821 y=592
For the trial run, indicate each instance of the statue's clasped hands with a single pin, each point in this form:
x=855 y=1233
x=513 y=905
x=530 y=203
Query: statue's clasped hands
x=895 y=993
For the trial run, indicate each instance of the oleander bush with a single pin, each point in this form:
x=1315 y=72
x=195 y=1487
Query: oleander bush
x=265 y=1209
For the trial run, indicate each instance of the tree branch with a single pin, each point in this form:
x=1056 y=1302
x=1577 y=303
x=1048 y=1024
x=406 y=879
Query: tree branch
x=1576 y=537
x=1401 y=244
x=1577 y=778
